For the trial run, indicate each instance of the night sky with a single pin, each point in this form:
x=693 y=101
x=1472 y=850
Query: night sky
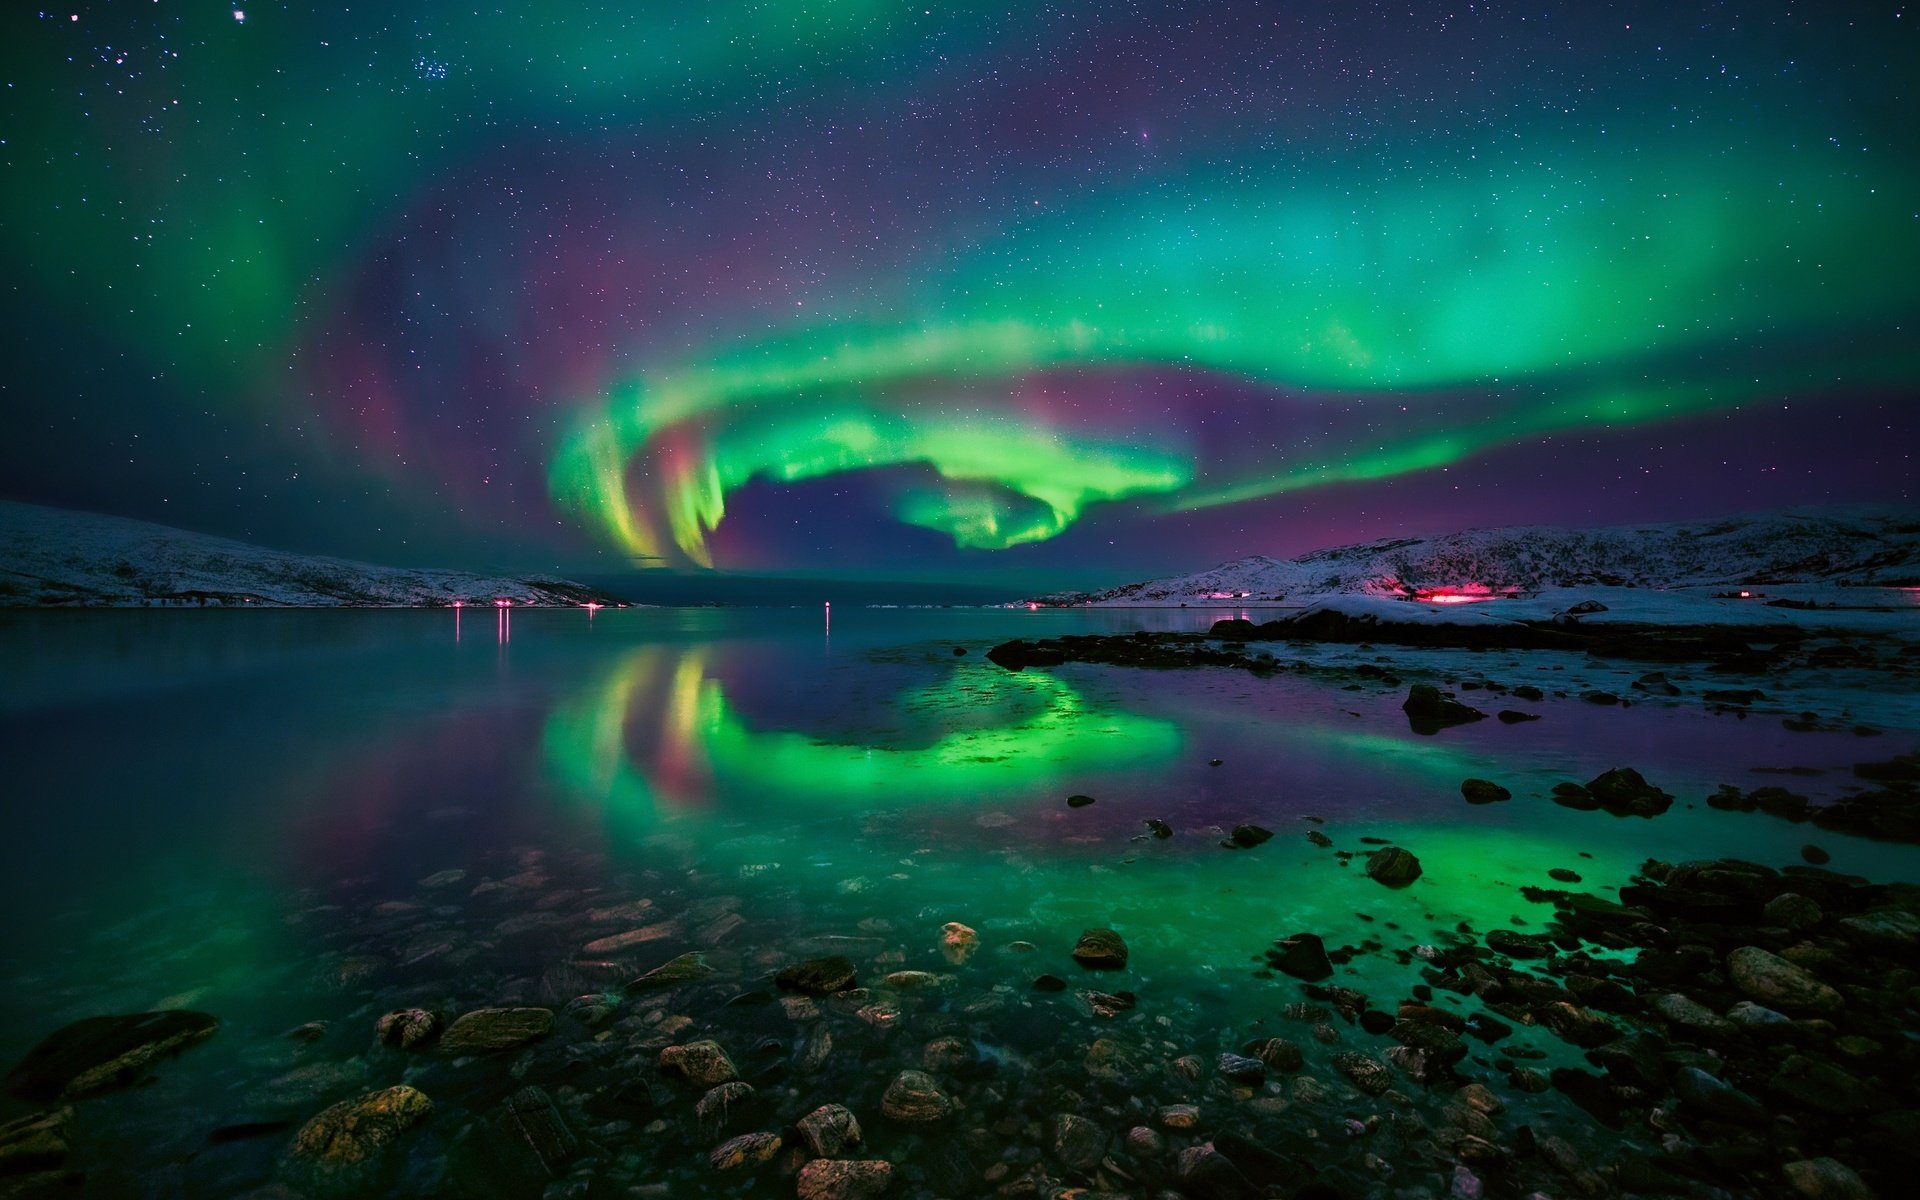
x=944 y=290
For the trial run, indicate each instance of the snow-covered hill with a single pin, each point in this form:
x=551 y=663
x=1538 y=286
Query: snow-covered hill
x=1878 y=546
x=51 y=556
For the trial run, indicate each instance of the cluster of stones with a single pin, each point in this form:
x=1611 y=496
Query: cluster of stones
x=1743 y=1027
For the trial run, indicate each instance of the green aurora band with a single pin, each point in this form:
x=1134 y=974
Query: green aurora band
x=1641 y=287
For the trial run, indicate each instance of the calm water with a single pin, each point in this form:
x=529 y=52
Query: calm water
x=234 y=811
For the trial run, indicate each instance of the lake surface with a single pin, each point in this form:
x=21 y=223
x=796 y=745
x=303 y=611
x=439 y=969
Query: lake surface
x=235 y=811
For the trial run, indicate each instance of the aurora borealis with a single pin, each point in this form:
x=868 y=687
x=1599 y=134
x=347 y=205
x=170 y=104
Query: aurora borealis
x=877 y=286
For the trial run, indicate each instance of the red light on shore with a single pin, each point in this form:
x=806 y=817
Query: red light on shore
x=503 y=604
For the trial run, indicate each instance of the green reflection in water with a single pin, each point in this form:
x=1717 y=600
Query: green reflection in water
x=657 y=734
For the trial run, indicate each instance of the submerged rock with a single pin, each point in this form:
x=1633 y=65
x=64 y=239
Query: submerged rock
x=1248 y=836
x=1303 y=956
x=1624 y=793
x=407 y=1027
x=686 y=968
x=34 y=1141
x=817 y=977
x=745 y=1152
x=914 y=1097
x=1368 y=1074
x=345 y=1148
x=1393 y=866
x=1777 y=983
x=704 y=1064
x=1428 y=711
x=1241 y=1069
x=99 y=1053
x=1826 y=1179
x=516 y=1150
x=1077 y=1142
x=830 y=1130
x=488 y=1029
x=1101 y=950
x=1483 y=791
x=844 y=1179
x=958 y=942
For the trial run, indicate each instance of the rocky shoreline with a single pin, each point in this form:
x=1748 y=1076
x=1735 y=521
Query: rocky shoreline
x=1728 y=1028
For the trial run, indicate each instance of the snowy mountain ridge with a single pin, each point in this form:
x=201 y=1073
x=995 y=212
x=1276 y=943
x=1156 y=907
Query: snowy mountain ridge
x=1864 y=546
x=57 y=557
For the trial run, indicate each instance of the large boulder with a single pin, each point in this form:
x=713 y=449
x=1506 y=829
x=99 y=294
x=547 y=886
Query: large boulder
x=100 y=1053
x=345 y=1149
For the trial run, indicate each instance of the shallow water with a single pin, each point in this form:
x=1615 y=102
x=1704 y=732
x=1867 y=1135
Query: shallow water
x=233 y=812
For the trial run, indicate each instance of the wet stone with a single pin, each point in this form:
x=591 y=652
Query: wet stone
x=958 y=942
x=1826 y=1179
x=34 y=1141
x=1428 y=711
x=345 y=1149
x=1077 y=1142
x=1303 y=956
x=1368 y=1074
x=817 y=977
x=488 y=1029
x=99 y=1053
x=1483 y=791
x=1623 y=792
x=844 y=1179
x=515 y=1150
x=830 y=1130
x=1179 y=1116
x=1248 y=836
x=1241 y=1069
x=1714 y=1097
x=1392 y=866
x=1276 y=1052
x=913 y=1097
x=686 y=968
x=1101 y=950
x=745 y=1152
x=407 y=1027
x=1779 y=984
x=724 y=1106
x=703 y=1064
